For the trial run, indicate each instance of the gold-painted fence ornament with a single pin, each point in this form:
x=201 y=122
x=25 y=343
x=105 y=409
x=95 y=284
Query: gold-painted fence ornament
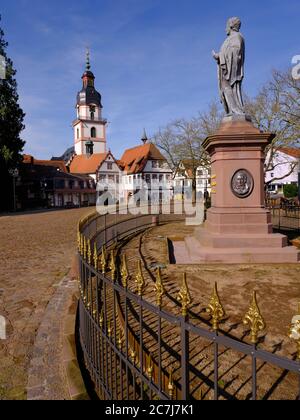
x=150 y=367
x=101 y=319
x=109 y=329
x=159 y=288
x=139 y=280
x=295 y=331
x=120 y=340
x=184 y=296
x=254 y=320
x=171 y=386
x=95 y=256
x=133 y=355
x=112 y=265
x=215 y=309
x=89 y=251
x=79 y=241
x=81 y=245
x=103 y=260
x=124 y=272
x=84 y=248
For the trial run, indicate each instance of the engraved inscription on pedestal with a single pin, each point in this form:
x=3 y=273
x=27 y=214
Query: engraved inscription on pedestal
x=242 y=183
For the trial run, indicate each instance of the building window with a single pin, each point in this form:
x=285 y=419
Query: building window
x=78 y=133
x=92 y=112
x=155 y=164
x=109 y=166
x=93 y=133
x=272 y=175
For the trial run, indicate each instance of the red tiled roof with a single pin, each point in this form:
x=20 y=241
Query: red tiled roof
x=134 y=160
x=84 y=164
x=294 y=152
x=28 y=159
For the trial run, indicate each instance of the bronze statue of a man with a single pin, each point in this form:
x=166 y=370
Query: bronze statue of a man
x=231 y=61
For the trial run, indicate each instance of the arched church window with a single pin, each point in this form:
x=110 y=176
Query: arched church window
x=92 y=112
x=78 y=133
x=93 y=133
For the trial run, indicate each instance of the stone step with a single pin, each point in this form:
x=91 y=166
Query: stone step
x=257 y=240
x=256 y=255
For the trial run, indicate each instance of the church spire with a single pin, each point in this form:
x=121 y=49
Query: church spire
x=88 y=63
x=144 y=137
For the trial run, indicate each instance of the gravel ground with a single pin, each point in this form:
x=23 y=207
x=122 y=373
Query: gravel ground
x=36 y=253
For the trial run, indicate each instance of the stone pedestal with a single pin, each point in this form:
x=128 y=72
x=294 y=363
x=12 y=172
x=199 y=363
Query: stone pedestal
x=238 y=227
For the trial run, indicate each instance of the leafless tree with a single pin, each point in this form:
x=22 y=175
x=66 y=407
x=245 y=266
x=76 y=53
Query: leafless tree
x=182 y=141
x=276 y=109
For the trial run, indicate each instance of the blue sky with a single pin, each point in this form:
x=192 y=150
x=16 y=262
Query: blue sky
x=151 y=58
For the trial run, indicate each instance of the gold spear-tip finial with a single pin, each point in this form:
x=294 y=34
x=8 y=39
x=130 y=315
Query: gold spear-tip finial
x=184 y=296
x=215 y=309
x=294 y=333
x=103 y=260
x=254 y=319
x=124 y=272
x=95 y=256
x=112 y=265
x=139 y=280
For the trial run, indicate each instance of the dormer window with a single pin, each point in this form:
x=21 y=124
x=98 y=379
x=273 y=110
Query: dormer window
x=139 y=160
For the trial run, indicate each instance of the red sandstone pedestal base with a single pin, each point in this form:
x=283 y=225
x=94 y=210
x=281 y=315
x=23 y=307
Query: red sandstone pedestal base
x=238 y=227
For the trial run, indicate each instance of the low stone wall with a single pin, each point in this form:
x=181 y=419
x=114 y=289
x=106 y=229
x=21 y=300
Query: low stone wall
x=54 y=373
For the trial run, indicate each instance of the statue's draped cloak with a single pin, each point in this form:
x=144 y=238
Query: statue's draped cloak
x=232 y=57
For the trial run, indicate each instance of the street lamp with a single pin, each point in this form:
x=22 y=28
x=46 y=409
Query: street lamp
x=14 y=173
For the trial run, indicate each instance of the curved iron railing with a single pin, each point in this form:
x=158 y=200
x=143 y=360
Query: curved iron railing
x=115 y=324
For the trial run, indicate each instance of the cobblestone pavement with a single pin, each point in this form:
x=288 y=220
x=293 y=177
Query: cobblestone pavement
x=35 y=255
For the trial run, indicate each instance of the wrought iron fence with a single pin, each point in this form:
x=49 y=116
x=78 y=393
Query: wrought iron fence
x=137 y=348
x=286 y=217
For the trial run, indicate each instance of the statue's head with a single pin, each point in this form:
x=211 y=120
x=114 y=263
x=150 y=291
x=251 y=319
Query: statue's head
x=233 y=24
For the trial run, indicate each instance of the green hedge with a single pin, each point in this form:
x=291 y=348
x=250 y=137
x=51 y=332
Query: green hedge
x=290 y=191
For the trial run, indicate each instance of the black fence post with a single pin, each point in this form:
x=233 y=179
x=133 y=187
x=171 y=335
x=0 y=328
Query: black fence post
x=185 y=351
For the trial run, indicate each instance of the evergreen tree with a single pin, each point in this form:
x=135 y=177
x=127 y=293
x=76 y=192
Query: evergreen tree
x=11 y=125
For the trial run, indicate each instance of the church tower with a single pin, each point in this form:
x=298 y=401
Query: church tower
x=89 y=127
